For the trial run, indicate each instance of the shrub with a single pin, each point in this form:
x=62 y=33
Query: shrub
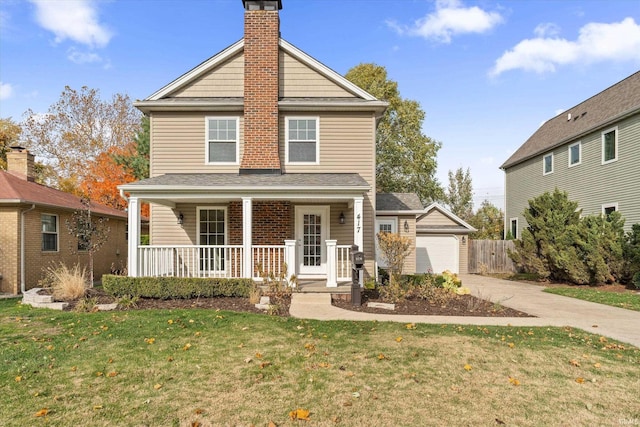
x=631 y=251
x=175 y=287
x=394 y=248
x=559 y=245
x=86 y=305
x=67 y=284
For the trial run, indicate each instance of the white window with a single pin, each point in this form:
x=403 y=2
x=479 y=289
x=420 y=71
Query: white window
x=384 y=225
x=302 y=145
x=212 y=236
x=513 y=224
x=609 y=208
x=610 y=145
x=222 y=140
x=575 y=154
x=49 y=233
x=547 y=164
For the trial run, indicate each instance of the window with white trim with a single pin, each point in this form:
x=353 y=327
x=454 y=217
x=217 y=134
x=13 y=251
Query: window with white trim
x=513 y=224
x=575 y=154
x=608 y=209
x=222 y=140
x=212 y=235
x=547 y=164
x=610 y=145
x=49 y=232
x=302 y=144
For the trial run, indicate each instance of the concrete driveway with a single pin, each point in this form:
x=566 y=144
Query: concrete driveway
x=550 y=310
x=557 y=310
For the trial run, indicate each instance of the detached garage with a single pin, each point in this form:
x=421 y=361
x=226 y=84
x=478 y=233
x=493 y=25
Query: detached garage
x=439 y=238
x=441 y=241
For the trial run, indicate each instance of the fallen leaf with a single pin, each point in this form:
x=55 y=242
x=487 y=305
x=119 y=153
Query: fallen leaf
x=186 y=347
x=499 y=421
x=399 y=339
x=514 y=381
x=197 y=334
x=157 y=386
x=272 y=424
x=410 y=326
x=99 y=374
x=381 y=356
x=467 y=367
x=258 y=355
x=170 y=321
x=198 y=411
x=574 y=362
x=110 y=360
x=112 y=374
x=42 y=412
x=248 y=360
x=264 y=364
x=96 y=407
x=355 y=395
x=580 y=380
x=74 y=368
x=149 y=340
x=18 y=378
x=310 y=346
x=299 y=414
x=195 y=424
x=602 y=339
x=169 y=359
x=511 y=345
x=597 y=365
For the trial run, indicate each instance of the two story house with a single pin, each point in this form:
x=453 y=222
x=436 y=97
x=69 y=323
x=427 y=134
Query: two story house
x=591 y=151
x=262 y=159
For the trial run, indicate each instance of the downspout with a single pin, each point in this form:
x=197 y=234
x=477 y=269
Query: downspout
x=23 y=285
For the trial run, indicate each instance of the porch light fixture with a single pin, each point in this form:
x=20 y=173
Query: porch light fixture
x=464 y=240
x=180 y=219
x=406 y=226
x=341 y=218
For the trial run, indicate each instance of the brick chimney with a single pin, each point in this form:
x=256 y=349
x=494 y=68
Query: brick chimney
x=20 y=163
x=261 y=38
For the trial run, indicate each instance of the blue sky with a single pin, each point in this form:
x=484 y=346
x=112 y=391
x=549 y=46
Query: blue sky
x=487 y=73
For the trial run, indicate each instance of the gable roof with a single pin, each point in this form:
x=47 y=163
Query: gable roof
x=161 y=99
x=601 y=110
x=398 y=203
x=460 y=225
x=17 y=190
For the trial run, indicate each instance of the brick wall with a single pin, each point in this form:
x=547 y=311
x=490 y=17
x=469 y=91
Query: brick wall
x=272 y=222
x=114 y=251
x=261 y=37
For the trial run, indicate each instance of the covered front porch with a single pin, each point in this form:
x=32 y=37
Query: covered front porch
x=289 y=231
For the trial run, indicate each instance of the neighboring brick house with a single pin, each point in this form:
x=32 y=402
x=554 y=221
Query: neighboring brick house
x=261 y=156
x=33 y=235
x=591 y=151
x=439 y=238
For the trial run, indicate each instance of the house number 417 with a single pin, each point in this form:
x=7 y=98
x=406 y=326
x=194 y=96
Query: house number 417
x=358 y=223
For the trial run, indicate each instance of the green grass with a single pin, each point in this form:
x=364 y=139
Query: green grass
x=629 y=300
x=180 y=367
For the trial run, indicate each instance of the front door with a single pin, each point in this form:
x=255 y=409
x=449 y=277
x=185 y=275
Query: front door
x=312 y=229
x=384 y=225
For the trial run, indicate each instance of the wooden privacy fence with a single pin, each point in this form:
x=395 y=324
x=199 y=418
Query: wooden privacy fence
x=490 y=256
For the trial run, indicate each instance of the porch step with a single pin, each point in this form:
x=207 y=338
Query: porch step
x=320 y=287
x=31 y=296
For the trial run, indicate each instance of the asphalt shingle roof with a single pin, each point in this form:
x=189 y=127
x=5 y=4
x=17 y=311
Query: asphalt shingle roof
x=398 y=202
x=596 y=112
x=18 y=190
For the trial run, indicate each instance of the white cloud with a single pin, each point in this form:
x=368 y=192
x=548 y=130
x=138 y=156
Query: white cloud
x=450 y=18
x=6 y=90
x=74 y=55
x=548 y=29
x=76 y=20
x=596 y=42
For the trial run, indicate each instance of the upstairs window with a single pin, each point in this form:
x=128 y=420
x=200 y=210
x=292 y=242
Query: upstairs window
x=575 y=154
x=610 y=145
x=49 y=233
x=547 y=164
x=302 y=140
x=222 y=140
x=608 y=209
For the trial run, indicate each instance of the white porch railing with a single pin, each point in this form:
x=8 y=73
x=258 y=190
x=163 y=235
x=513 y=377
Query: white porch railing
x=226 y=261
x=269 y=260
x=343 y=263
x=190 y=261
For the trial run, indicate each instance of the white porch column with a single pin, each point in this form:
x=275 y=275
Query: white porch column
x=331 y=263
x=358 y=222
x=290 y=257
x=133 y=225
x=247 y=220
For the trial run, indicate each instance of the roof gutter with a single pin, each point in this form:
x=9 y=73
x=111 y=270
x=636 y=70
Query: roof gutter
x=23 y=286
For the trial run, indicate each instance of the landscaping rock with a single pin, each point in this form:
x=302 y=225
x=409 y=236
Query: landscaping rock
x=382 y=305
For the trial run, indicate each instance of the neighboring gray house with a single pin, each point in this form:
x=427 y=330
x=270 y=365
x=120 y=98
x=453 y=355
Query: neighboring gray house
x=591 y=151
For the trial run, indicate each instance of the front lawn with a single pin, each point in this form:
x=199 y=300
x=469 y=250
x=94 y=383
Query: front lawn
x=197 y=367
x=629 y=300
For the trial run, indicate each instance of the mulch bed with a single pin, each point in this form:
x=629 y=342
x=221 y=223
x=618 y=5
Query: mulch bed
x=458 y=305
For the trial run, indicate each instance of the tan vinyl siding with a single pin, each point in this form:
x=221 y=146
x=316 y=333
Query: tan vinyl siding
x=410 y=261
x=590 y=183
x=435 y=217
x=179 y=144
x=298 y=80
x=164 y=229
x=227 y=80
x=463 y=254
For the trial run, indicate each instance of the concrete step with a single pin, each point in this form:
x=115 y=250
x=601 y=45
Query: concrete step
x=31 y=296
x=51 y=305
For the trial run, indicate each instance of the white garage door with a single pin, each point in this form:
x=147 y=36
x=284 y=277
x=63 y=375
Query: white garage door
x=436 y=254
